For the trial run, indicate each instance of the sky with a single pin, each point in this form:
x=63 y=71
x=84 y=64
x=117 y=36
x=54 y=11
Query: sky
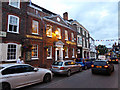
x=99 y=17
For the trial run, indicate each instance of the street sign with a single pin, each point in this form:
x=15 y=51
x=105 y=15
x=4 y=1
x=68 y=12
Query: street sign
x=2 y=34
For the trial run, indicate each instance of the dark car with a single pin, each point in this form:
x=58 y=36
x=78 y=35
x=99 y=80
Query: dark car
x=102 y=66
x=113 y=60
x=86 y=63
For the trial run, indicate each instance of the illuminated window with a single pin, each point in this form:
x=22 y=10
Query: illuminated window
x=58 y=33
x=14 y=3
x=72 y=36
x=35 y=27
x=13 y=24
x=66 y=35
x=11 y=51
x=49 y=52
x=34 y=51
x=66 y=53
x=49 y=30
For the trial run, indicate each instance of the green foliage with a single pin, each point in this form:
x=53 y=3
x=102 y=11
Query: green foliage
x=101 y=49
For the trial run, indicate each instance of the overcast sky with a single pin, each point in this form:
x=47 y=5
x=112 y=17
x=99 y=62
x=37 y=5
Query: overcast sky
x=100 y=18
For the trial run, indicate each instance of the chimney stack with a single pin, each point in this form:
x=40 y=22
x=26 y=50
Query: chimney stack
x=65 y=16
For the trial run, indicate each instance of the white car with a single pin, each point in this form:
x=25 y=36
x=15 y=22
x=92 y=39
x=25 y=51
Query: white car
x=19 y=75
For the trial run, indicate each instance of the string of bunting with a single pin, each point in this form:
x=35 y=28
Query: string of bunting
x=106 y=40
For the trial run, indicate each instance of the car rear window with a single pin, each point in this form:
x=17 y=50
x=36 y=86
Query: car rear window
x=58 y=63
x=100 y=63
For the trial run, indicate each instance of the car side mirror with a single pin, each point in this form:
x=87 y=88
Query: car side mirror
x=35 y=69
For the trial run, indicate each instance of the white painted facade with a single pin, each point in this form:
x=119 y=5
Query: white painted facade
x=4 y=50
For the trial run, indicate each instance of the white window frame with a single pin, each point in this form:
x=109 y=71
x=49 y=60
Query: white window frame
x=50 y=53
x=35 y=57
x=78 y=29
x=16 y=52
x=72 y=36
x=73 y=50
x=84 y=42
x=14 y=5
x=66 y=33
x=67 y=53
x=9 y=16
x=50 y=30
x=37 y=27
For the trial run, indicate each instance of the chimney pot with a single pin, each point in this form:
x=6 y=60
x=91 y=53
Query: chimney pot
x=65 y=16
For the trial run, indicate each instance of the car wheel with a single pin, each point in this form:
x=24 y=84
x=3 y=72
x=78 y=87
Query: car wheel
x=68 y=73
x=6 y=86
x=85 y=67
x=80 y=69
x=47 y=78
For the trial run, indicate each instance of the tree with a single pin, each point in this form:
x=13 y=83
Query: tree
x=101 y=49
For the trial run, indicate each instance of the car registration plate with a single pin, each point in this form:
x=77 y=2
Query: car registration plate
x=55 y=67
x=113 y=60
x=98 y=66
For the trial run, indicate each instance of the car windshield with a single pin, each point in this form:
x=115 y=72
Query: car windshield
x=100 y=63
x=58 y=63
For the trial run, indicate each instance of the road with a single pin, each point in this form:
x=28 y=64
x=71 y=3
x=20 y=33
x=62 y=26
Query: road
x=84 y=79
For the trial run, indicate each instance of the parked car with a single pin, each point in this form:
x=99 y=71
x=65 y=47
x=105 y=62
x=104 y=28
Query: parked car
x=102 y=66
x=65 y=67
x=113 y=60
x=19 y=75
x=86 y=63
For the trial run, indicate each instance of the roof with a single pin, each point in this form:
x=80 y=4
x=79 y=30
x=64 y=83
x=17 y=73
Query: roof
x=43 y=9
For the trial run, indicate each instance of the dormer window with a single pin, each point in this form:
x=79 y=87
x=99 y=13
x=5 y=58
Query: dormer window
x=14 y=3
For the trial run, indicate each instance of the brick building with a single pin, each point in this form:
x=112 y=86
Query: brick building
x=13 y=30
x=37 y=34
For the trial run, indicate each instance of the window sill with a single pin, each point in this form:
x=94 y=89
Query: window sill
x=49 y=57
x=35 y=58
x=66 y=57
x=35 y=34
x=66 y=39
x=73 y=56
x=13 y=32
x=49 y=36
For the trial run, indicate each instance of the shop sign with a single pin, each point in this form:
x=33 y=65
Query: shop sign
x=2 y=34
x=35 y=37
x=69 y=42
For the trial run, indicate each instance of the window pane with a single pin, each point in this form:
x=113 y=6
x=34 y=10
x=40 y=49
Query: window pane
x=11 y=52
x=34 y=51
x=35 y=27
x=49 y=30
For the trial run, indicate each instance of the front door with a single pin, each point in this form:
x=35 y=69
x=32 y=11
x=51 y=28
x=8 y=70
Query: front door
x=58 y=55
